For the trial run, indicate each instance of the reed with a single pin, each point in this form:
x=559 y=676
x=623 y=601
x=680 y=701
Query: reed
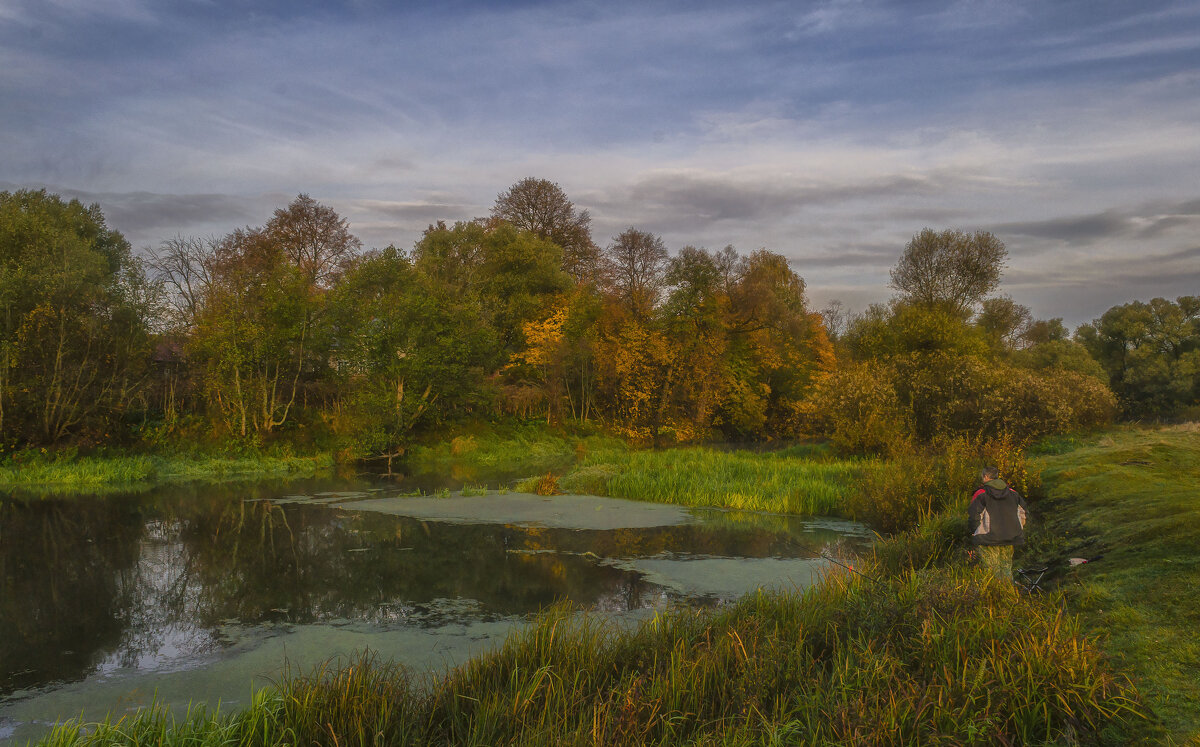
x=786 y=481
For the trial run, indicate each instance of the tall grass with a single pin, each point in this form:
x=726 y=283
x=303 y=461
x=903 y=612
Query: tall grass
x=510 y=448
x=904 y=491
x=100 y=473
x=938 y=657
x=781 y=482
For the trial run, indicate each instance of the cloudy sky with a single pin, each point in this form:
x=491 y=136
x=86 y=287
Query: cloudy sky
x=829 y=131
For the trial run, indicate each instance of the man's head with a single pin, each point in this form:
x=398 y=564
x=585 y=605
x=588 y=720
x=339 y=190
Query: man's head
x=988 y=474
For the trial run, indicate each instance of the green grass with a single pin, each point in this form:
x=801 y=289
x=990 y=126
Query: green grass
x=938 y=657
x=513 y=447
x=92 y=474
x=795 y=480
x=918 y=649
x=803 y=479
x=1133 y=495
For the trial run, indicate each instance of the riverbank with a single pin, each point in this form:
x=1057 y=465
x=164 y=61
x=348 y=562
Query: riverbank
x=913 y=647
x=33 y=473
x=800 y=479
x=1132 y=496
x=945 y=656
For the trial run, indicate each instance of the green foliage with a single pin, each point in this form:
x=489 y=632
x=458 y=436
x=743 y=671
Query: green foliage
x=1064 y=355
x=927 y=374
x=285 y=333
x=1151 y=352
x=408 y=354
x=75 y=311
x=540 y=207
x=511 y=274
x=252 y=338
x=952 y=269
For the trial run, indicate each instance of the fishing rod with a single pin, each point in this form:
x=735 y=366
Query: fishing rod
x=823 y=556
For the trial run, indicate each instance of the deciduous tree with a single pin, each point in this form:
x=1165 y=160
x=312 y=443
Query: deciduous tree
x=1151 y=352
x=75 y=309
x=541 y=207
x=638 y=262
x=951 y=268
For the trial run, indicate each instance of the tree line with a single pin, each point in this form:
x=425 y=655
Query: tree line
x=292 y=331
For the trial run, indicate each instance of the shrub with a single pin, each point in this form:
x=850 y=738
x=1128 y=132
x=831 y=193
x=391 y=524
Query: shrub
x=858 y=409
x=909 y=488
x=884 y=406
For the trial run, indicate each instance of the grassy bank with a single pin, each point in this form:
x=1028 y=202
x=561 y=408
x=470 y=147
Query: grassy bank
x=91 y=474
x=800 y=479
x=938 y=657
x=1133 y=496
x=919 y=649
x=510 y=448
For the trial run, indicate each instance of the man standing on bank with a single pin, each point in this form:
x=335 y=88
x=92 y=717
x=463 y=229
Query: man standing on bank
x=996 y=519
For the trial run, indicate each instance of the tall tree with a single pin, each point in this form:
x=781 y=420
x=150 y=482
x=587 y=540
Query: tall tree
x=541 y=207
x=253 y=335
x=1151 y=352
x=951 y=268
x=262 y=330
x=74 y=314
x=514 y=275
x=1005 y=322
x=638 y=264
x=314 y=238
x=411 y=354
x=184 y=267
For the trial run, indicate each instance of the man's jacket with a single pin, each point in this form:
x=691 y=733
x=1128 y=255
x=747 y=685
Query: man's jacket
x=997 y=515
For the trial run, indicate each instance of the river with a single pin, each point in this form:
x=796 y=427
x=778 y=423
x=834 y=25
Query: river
x=200 y=594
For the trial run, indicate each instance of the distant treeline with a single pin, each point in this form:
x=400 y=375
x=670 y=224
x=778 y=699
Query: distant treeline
x=291 y=331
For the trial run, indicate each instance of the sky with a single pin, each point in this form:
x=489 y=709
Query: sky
x=829 y=131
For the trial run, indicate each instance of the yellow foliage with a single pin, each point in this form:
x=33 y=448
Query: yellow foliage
x=543 y=339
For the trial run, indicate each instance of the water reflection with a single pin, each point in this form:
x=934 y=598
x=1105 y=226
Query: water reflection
x=157 y=582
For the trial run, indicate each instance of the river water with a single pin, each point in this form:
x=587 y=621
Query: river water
x=202 y=594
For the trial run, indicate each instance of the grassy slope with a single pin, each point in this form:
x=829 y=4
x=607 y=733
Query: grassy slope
x=1134 y=496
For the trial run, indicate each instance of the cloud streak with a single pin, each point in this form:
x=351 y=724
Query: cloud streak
x=830 y=131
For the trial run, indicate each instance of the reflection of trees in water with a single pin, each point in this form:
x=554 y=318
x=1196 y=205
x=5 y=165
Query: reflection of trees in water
x=63 y=595
x=140 y=582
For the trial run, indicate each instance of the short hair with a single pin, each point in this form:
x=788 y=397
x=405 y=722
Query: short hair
x=989 y=473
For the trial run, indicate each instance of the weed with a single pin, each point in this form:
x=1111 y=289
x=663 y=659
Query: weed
x=547 y=484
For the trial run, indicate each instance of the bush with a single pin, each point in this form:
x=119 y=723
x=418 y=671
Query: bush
x=910 y=488
x=883 y=407
x=858 y=409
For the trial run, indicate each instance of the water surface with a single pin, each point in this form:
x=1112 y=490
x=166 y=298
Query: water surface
x=200 y=594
